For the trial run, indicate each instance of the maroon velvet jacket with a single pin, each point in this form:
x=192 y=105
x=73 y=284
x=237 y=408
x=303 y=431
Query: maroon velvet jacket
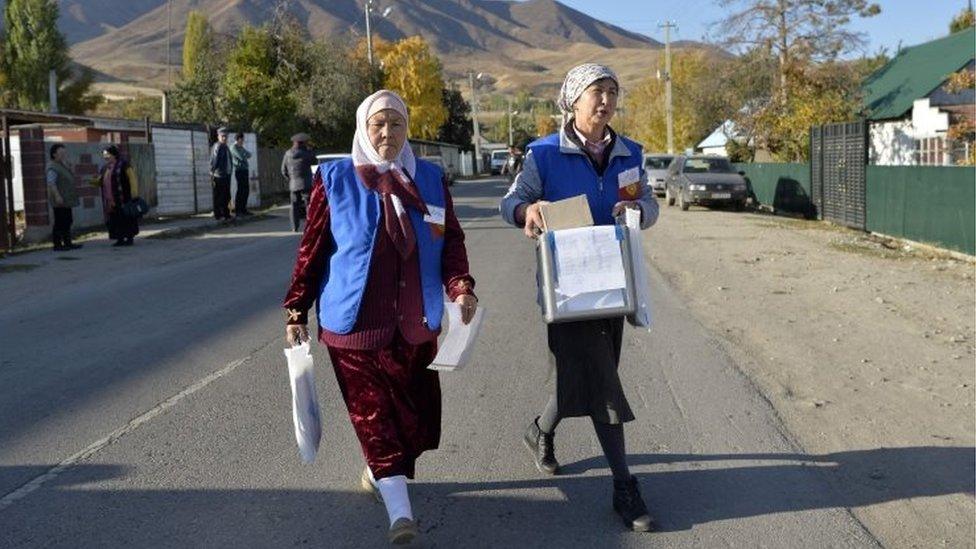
x=392 y=298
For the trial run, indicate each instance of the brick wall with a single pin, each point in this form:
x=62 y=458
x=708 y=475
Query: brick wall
x=33 y=165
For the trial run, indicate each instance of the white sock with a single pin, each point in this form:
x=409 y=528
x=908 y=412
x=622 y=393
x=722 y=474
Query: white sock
x=372 y=479
x=395 y=497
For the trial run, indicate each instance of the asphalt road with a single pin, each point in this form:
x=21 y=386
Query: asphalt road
x=144 y=402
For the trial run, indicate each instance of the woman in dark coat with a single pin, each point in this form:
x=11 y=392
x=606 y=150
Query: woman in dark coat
x=119 y=187
x=381 y=247
x=586 y=157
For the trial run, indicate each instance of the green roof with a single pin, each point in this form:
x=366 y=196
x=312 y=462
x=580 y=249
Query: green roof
x=915 y=72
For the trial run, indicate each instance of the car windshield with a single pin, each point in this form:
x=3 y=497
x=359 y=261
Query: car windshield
x=708 y=165
x=657 y=162
x=500 y=155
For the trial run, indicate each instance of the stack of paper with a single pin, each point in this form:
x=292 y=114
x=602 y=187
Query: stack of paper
x=455 y=350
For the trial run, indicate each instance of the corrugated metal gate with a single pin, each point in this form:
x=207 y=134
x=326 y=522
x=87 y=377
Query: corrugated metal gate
x=838 y=172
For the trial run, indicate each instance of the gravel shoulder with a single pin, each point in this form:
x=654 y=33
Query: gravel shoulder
x=857 y=344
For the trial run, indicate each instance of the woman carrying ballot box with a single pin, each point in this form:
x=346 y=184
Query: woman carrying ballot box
x=380 y=247
x=586 y=157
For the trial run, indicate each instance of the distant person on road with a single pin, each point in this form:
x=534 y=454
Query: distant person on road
x=64 y=197
x=221 y=169
x=381 y=247
x=119 y=187
x=242 y=174
x=296 y=167
x=586 y=157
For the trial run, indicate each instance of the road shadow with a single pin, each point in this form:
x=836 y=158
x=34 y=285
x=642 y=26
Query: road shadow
x=552 y=512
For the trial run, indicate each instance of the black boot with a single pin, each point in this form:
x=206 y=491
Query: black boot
x=627 y=502
x=543 y=450
x=58 y=241
x=69 y=244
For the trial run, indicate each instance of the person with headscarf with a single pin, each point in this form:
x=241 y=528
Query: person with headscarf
x=119 y=187
x=586 y=157
x=380 y=248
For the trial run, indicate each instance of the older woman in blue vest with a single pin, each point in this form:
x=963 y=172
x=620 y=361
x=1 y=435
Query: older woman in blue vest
x=381 y=246
x=586 y=157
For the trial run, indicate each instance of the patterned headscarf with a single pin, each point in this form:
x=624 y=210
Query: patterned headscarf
x=578 y=79
x=392 y=180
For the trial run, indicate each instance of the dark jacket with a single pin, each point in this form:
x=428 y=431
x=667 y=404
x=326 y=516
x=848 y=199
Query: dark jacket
x=296 y=167
x=221 y=164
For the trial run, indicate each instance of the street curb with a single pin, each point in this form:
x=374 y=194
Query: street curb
x=183 y=232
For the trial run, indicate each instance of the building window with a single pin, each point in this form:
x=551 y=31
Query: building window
x=931 y=151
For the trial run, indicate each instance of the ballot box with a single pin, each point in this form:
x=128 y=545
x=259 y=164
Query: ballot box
x=586 y=273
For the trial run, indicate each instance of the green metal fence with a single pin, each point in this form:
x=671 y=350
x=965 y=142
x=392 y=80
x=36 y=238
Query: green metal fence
x=784 y=187
x=936 y=205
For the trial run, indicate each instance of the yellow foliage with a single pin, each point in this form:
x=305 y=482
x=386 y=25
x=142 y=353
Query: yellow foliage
x=415 y=73
x=545 y=125
x=644 y=106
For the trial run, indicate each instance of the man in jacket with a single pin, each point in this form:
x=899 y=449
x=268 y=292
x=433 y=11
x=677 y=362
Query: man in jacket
x=64 y=197
x=296 y=167
x=242 y=174
x=221 y=169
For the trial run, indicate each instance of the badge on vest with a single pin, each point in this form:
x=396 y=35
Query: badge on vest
x=436 y=218
x=628 y=184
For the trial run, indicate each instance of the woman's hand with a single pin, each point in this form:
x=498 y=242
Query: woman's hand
x=469 y=304
x=619 y=207
x=295 y=334
x=533 y=220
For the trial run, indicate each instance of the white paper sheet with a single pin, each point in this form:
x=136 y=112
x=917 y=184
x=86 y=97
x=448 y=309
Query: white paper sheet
x=455 y=350
x=588 y=260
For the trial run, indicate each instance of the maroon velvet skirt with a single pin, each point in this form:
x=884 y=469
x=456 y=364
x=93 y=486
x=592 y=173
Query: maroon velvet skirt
x=394 y=402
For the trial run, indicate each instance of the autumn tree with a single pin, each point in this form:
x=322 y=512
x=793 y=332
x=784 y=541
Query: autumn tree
x=692 y=73
x=198 y=96
x=965 y=19
x=32 y=48
x=327 y=98
x=415 y=73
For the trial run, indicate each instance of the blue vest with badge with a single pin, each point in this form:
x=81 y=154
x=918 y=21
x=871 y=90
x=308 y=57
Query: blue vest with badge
x=355 y=215
x=565 y=175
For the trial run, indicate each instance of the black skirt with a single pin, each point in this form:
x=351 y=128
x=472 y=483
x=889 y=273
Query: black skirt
x=121 y=226
x=586 y=355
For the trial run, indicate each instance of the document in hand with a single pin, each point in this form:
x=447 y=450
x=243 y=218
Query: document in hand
x=304 y=401
x=455 y=349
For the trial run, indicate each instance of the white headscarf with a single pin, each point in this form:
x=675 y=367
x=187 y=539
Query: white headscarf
x=363 y=151
x=577 y=80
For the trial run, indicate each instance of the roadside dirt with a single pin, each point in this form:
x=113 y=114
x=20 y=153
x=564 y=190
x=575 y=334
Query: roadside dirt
x=859 y=344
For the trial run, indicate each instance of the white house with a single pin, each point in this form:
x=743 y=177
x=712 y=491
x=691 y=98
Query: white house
x=909 y=109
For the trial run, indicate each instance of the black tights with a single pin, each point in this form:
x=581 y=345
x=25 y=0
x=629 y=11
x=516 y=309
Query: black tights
x=611 y=437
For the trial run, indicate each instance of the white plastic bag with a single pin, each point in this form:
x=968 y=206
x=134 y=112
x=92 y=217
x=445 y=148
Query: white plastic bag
x=304 y=401
x=642 y=316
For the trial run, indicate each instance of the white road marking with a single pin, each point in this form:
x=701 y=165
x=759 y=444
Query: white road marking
x=93 y=448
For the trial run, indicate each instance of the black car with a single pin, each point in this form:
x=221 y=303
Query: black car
x=706 y=181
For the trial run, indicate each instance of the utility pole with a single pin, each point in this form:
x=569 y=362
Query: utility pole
x=510 y=113
x=367 y=6
x=474 y=120
x=669 y=108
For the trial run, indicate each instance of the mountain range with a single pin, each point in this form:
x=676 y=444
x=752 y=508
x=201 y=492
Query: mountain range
x=522 y=44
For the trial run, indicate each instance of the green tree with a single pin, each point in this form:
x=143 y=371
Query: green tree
x=196 y=42
x=32 y=48
x=256 y=91
x=965 y=19
x=338 y=79
x=457 y=129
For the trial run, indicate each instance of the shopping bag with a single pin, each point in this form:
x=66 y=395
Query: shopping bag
x=304 y=401
x=642 y=315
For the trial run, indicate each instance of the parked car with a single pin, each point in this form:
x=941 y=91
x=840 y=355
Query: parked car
x=439 y=160
x=498 y=160
x=326 y=158
x=706 y=181
x=656 y=166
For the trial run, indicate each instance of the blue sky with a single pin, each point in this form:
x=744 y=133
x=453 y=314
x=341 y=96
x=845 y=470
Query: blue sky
x=908 y=21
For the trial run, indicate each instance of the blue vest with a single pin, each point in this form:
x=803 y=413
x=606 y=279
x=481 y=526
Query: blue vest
x=565 y=175
x=355 y=214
